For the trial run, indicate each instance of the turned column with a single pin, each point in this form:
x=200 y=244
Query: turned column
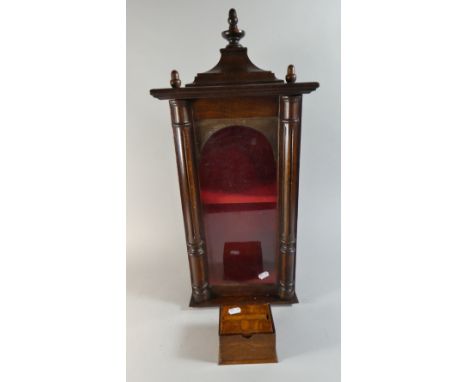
x=190 y=197
x=289 y=151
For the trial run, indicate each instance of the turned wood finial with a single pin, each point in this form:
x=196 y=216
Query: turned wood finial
x=233 y=34
x=291 y=74
x=175 y=80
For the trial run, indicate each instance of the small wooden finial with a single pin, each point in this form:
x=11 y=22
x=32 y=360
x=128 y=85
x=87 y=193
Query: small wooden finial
x=232 y=20
x=291 y=75
x=233 y=34
x=175 y=80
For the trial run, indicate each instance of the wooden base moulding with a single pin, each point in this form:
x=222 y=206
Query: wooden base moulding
x=232 y=300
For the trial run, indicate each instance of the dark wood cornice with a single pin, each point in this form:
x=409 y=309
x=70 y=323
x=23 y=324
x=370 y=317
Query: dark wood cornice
x=271 y=89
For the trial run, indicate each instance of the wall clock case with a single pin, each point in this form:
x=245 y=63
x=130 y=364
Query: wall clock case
x=237 y=134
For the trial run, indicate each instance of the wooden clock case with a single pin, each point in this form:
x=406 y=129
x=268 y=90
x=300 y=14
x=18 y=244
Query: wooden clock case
x=239 y=202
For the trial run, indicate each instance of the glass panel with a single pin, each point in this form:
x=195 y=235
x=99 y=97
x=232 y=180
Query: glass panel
x=238 y=193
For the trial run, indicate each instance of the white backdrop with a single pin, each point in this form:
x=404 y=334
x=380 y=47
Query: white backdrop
x=165 y=339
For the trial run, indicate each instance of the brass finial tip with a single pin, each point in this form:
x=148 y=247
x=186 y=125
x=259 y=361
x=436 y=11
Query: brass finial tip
x=175 y=80
x=291 y=74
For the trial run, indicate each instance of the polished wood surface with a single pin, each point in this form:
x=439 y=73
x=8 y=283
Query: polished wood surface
x=289 y=152
x=175 y=80
x=233 y=34
x=234 y=66
x=235 y=107
x=219 y=299
x=247 y=337
x=190 y=197
x=245 y=90
x=253 y=318
x=291 y=74
x=236 y=92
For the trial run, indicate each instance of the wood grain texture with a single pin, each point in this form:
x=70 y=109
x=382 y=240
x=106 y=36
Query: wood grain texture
x=248 y=337
x=235 y=107
x=253 y=318
x=190 y=198
x=236 y=90
x=289 y=139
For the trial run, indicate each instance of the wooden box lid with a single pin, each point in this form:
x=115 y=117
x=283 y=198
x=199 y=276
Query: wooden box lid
x=252 y=319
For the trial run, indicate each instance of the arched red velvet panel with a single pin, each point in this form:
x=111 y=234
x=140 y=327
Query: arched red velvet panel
x=237 y=165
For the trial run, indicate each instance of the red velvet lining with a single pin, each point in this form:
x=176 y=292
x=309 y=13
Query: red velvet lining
x=237 y=165
x=260 y=194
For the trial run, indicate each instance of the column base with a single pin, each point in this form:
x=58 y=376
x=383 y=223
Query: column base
x=286 y=293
